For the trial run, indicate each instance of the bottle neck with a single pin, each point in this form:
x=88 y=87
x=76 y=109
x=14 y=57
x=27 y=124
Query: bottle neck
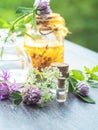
x=61 y=83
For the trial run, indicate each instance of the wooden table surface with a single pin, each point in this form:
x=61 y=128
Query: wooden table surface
x=73 y=115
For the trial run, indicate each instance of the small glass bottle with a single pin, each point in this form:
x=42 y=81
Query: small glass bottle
x=64 y=69
x=61 y=94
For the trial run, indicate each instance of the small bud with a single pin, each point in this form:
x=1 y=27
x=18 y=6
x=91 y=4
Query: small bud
x=43 y=8
x=83 y=89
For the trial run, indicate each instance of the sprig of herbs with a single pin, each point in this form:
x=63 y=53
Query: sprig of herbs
x=73 y=88
x=28 y=15
x=89 y=76
x=45 y=79
x=92 y=74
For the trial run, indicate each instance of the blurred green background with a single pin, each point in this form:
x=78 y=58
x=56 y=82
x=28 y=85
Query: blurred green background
x=81 y=17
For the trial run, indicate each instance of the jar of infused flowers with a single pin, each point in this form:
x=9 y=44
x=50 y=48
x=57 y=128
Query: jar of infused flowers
x=45 y=43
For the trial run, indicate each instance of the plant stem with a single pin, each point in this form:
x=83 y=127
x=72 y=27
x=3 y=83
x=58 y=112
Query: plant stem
x=19 y=19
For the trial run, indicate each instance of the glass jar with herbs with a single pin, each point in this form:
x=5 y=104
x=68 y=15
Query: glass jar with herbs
x=45 y=44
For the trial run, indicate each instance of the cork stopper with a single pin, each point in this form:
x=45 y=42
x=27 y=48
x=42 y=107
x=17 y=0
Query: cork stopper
x=61 y=82
x=63 y=68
